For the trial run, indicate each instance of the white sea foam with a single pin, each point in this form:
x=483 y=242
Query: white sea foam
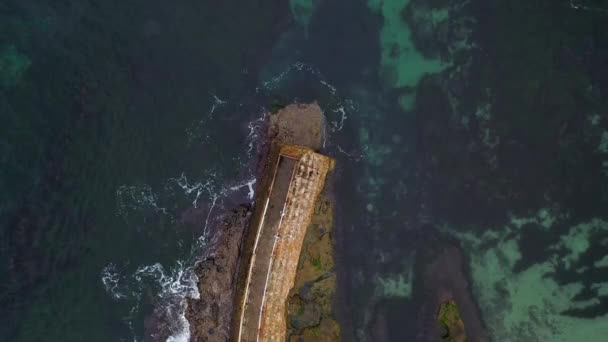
x=255 y=131
x=176 y=282
x=336 y=113
x=275 y=81
x=217 y=102
x=338 y=126
x=296 y=67
x=197 y=188
x=249 y=184
x=331 y=88
x=111 y=281
x=578 y=5
x=198 y=130
x=183 y=334
x=179 y=281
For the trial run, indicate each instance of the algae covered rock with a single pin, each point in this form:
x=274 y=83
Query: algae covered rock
x=451 y=325
x=310 y=313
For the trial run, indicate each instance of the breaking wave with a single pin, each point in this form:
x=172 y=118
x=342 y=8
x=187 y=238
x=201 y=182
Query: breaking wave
x=171 y=284
x=178 y=281
x=207 y=192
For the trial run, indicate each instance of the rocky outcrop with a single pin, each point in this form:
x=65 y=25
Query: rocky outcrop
x=451 y=326
x=442 y=280
x=210 y=315
x=310 y=315
x=298 y=124
x=223 y=275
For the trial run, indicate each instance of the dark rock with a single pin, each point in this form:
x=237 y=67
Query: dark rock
x=310 y=317
x=210 y=316
x=306 y=291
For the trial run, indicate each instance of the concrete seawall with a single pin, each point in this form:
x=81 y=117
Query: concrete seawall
x=275 y=239
x=246 y=280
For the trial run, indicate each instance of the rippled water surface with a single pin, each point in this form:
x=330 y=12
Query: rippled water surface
x=130 y=127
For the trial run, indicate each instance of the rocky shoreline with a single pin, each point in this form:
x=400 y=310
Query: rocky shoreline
x=210 y=316
x=446 y=311
x=310 y=308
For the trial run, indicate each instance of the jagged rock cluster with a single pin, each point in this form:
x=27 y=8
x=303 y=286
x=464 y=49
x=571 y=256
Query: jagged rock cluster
x=210 y=316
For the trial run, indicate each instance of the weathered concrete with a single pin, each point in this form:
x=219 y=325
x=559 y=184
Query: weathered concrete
x=310 y=308
x=254 y=289
x=259 y=267
x=279 y=228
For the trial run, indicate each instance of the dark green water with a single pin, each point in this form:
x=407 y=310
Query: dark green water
x=129 y=127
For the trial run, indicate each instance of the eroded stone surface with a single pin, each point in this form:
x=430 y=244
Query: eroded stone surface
x=298 y=124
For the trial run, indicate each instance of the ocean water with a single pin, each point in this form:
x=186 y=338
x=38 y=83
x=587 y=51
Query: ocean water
x=129 y=128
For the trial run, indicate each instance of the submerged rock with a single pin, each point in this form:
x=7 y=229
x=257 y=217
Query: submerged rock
x=448 y=308
x=13 y=66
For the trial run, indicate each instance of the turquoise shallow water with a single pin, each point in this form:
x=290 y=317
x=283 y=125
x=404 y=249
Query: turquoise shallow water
x=128 y=128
